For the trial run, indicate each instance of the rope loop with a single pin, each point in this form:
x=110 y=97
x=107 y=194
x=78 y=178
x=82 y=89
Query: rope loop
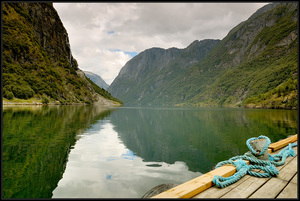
x=269 y=171
x=242 y=168
x=254 y=152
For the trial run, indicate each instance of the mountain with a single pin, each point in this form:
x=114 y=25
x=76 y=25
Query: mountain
x=96 y=79
x=255 y=65
x=142 y=78
x=37 y=59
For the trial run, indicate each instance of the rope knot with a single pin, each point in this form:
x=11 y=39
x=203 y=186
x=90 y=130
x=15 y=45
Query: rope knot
x=239 y=164
x=272 y=170
x=242 y=168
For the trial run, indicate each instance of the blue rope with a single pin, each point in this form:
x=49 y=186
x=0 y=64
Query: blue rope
x=265 y=147
x=242 y=168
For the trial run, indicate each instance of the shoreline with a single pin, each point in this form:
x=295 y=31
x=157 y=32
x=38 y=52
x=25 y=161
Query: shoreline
x=105 y=102
x=35 y=102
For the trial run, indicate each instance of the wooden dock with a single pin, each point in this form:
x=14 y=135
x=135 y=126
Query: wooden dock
x=284 y=185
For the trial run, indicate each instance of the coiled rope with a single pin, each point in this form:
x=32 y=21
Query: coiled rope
x=242 y=168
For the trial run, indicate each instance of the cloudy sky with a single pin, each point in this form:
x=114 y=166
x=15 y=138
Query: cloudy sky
x=104 y=36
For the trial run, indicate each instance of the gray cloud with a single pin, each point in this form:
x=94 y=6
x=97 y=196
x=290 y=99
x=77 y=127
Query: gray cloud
x=95 y=29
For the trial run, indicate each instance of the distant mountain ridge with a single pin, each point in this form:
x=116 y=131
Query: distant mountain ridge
x=96 y=79
x=255 y=65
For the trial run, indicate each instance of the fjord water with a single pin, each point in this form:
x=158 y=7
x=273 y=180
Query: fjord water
x=97 y=152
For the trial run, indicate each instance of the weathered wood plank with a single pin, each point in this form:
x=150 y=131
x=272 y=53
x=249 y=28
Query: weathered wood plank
x=287 y=159
x=215 y=192
x=282 y=143
x=197 y=185
x=248 y=184
x=275 y=185
x=203 y=182
x=270 y=189
x=295 y=179
x=290 y=191
x=246 y=188
x=288 y=171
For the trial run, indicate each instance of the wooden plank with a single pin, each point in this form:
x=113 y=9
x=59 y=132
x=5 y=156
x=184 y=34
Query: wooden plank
x=275 y=185
x=270 y=189
x=197 y=185
x=288 y=159
x=215 y=192
x=290 y=191
x=247 y=188
x=296 y=150
x=288 y=171
x=295 y=179
x=283 y=143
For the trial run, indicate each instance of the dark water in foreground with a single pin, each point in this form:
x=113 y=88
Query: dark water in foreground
x=96 y=152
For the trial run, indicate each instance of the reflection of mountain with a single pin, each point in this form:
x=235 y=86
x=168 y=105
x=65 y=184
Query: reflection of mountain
x=36 y=143
x=200 y=138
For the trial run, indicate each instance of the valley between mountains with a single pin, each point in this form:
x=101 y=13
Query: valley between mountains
x=254 y=66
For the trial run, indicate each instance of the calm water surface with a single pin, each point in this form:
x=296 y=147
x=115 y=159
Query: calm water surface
x=97 y=152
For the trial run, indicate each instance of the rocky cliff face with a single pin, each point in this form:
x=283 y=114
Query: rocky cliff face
x=50 y=32
x=252 y=63
x=47 y=32
x=37 y=58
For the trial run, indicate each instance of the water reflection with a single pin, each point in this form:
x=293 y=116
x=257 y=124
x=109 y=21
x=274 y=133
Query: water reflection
x=199 y=137
x=100 y=166
x=96 y=152
x=135 y=149
x=36 y=143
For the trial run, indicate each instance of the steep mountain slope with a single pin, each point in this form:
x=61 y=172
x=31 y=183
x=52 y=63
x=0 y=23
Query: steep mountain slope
x=254 y=58
x=96 y=79
x=141 y=79
x=252 y=66
x=37 y=59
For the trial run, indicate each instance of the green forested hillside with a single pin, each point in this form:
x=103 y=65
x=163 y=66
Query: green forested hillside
x=37 y=60
x=255 y=65
x=266 y=63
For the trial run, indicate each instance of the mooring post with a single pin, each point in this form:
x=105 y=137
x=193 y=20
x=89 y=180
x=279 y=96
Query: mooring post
x=258 y=145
